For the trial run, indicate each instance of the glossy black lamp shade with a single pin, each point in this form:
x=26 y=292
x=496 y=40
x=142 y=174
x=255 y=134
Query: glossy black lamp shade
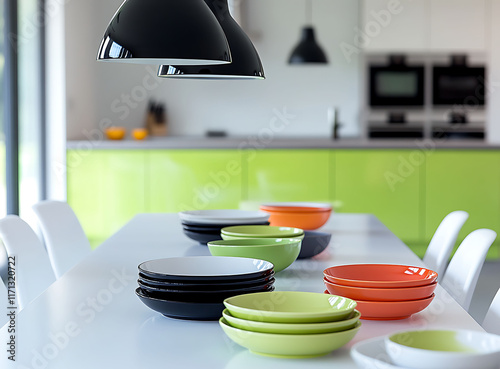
x=246 y=62
x=182 y=32
x=308 y=50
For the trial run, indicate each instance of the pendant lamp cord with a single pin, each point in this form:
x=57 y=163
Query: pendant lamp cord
x=309 y=12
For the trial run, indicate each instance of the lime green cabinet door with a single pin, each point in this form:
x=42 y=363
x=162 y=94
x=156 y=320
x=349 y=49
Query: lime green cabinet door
x=194 y=179
x=385 y=183
x=106 y=189
x=287 y=175
x=463 y=180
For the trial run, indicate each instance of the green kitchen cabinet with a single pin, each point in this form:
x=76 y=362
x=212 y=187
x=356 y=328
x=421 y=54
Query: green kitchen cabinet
x=463 y=180
x=287 y=175
x=106 y=188
x=194 y=180
x=381 y=182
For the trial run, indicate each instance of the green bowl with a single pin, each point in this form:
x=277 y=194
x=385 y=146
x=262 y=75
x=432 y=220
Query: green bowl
x=292 y=346
x=261 y=231
x=290 y=307
x=290 y=328
x=281 y=252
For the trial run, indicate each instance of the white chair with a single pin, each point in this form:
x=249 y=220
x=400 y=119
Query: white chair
x=439 y=250
x=3 y=296
x=461 y=277
x=491 y=321
x=65 y=239
x=33 y=270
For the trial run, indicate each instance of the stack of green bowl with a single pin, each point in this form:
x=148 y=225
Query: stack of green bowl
x=290 y=324
x=260 y=231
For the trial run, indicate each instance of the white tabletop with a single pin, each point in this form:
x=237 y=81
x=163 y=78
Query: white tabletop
x=91 y=317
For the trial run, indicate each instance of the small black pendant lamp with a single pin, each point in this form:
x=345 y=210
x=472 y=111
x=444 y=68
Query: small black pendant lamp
x=178 y=32
x=246 y=62
x=308 y=50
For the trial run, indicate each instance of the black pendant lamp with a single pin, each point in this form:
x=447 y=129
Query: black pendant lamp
x=178 y=32
x=246 y=62
x=308 y=50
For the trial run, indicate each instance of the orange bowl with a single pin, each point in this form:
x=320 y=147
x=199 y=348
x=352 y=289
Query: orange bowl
x=380 y=275
x=140 y=133
x=115 y=133
x=309 y=216
x=381 y=294
x=391 y=310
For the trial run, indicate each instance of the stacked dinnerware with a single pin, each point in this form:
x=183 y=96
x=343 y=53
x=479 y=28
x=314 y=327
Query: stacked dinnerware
x=290 y=324
x=195 y=287
x=304 y=215
x=282 y=252
x=205 y=225
x=383 y=291
x=260 y=231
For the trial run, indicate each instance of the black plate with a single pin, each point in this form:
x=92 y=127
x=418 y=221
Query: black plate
x=313 y=244
x=205 y=269
x=201 y=230
x=183 y=310
x=204 y=226
x=215 y=286
x=158 y=291
x=202 y=238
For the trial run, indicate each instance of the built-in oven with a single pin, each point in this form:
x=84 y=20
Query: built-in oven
x=396 y=84
x=458 y=84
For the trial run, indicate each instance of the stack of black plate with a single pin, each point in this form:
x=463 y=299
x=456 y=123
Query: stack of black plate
x=204 y=226
x=195 y=287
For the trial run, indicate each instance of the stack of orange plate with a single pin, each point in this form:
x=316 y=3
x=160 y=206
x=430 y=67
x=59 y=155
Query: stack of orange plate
x=304 y=215
x=383 y=291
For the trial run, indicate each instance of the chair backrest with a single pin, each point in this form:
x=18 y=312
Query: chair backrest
x=491 y=321
x=32 y=266
x=439 y=250
x=3 y=296
x=65 y=239
x=461 y=277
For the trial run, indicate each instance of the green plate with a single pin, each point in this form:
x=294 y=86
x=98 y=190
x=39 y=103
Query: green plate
x=282 y=252
x=260 y=231
x=290 y=328
x=290 y=307
x=292 y=346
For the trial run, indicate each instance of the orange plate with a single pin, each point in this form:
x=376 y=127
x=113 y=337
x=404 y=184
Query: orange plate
x=391 y=310
x=380 y=275
x=381 y=294
x=305 y=220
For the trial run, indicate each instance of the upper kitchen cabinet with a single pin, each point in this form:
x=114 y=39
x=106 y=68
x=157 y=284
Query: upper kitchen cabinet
x=389 y=25
x=287 y=175
x=194 y=180
x=458 y=25
x=424 y=25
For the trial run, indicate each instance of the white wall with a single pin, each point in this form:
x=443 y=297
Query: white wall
x=96 y=91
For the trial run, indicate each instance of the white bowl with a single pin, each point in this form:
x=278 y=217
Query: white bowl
x=371 y=354
x=442 y=349
x=229 y=216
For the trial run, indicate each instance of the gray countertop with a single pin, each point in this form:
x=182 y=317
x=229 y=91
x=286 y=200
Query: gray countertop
x=253 y=142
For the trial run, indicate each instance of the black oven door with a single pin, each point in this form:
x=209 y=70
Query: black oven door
x=459 y=85
x=399 y=85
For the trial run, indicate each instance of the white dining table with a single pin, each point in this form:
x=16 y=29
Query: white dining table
x=91 y=317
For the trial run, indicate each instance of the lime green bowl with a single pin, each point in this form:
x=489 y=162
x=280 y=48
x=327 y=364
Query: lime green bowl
x=290 y=328
x=292 y=346
x=281 y=252
x=260 y=231
x=290 y=307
